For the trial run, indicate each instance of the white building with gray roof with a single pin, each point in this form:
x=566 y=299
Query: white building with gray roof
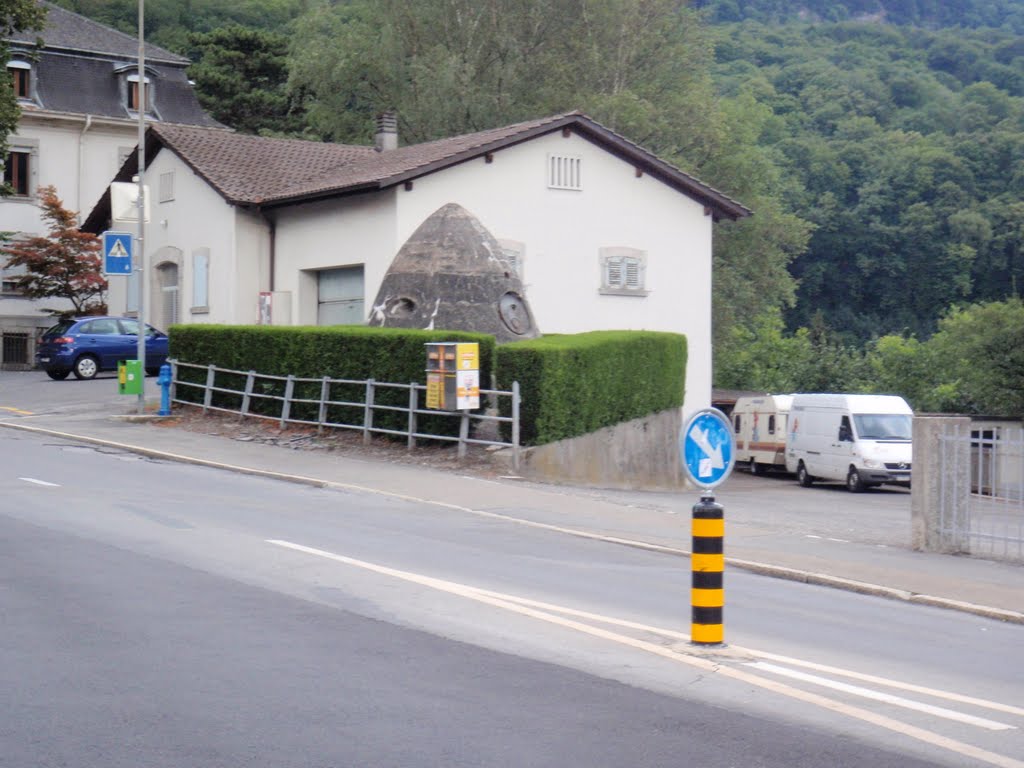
x=78 y=95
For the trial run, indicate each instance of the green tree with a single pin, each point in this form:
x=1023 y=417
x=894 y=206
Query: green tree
x=15 y=16
x=902 y=365
x=637 y=66
x=980 y=351
x=763 y=356
x=65 y=264
x=241 y=76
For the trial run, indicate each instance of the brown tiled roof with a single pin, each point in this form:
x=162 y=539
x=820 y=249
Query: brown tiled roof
x=392 y=167
x=256 y=171
x=249 y=169
x=385 y=169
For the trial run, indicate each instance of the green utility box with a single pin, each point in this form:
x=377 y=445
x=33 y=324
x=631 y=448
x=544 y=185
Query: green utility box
x=129 y=377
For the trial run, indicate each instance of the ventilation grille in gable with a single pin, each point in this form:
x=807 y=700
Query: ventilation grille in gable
x=564 y=172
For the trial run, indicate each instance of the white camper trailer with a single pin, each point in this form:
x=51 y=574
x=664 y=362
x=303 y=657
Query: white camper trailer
x=862 y=440
x=760 y=426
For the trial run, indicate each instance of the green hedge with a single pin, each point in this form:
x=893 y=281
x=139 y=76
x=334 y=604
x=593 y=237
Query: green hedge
x=570 y=384
x=575 y=384
x=354 y=352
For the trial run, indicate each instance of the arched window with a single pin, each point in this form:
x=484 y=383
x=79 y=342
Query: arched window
x=167 y=284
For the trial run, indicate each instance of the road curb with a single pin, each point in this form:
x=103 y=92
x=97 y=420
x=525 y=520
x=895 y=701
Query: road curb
x=152 y=453
x=764 y=569
x=876 y=590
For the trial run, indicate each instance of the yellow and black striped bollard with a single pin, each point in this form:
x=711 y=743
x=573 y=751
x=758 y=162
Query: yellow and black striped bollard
x=707 y=595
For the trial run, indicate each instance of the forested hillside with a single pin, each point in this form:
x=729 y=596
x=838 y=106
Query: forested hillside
x=905 y=148
x=924 y=13
x=880 y=143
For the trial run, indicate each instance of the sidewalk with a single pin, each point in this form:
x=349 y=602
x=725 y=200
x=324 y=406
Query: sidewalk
x=655 y=521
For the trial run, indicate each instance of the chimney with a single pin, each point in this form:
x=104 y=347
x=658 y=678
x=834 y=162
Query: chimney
x=387 y=131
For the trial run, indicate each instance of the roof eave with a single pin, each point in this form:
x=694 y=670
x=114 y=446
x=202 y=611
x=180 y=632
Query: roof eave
x=313 y=197
x=719 y=205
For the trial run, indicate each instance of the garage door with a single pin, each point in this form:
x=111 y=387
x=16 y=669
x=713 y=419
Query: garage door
x=340 y=296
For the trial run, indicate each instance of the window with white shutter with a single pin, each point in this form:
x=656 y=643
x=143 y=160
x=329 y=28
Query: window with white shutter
x=166 y=187
x=623 y=271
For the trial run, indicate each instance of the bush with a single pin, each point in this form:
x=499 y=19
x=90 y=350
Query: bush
x=357 y=353
x=574 y=384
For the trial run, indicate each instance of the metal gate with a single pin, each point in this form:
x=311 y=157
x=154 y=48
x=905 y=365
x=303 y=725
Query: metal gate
x=991 y=522
x=15 y=349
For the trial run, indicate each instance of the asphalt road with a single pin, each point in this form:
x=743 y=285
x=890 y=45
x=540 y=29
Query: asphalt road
x=162 y=614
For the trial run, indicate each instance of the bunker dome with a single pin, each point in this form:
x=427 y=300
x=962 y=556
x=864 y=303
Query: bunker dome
x=452 y=274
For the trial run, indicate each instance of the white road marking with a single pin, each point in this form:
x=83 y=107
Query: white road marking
x=712 y=666
x=39 y=482
x=886 y=698
x=889 y=682
x=994 y=705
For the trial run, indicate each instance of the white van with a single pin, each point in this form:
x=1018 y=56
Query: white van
x=759 y=423
x=862 y=440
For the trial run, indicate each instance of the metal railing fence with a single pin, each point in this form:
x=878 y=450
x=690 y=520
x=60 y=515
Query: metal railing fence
x=369 y=406
x=985 y=465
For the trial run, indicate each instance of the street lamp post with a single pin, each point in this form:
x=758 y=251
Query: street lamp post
x=140 y=105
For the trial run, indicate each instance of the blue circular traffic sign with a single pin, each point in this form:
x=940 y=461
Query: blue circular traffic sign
x=707 y=448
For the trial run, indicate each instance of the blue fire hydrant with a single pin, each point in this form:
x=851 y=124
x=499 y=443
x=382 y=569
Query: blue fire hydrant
x=164 y=380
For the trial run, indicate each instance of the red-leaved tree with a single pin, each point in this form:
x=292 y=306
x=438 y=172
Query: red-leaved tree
x=66 y=264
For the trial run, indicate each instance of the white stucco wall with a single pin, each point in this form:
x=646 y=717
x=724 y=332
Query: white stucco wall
x=564 y=230
x=79 y=163
x=335 y=233
x=196 y=218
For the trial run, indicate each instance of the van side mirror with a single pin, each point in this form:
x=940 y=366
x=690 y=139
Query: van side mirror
x=845 y=435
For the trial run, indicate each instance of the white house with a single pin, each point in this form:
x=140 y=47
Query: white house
x=247 y=229
x=78 y=95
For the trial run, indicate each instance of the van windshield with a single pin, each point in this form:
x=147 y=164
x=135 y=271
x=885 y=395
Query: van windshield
x=882 y=426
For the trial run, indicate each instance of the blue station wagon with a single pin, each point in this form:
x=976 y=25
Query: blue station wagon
x=85 y=346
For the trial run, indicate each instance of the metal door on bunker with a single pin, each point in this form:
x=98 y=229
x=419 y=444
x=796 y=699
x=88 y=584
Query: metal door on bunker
x=340 y=296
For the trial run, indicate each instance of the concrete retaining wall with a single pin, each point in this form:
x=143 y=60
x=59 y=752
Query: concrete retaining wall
x=642 y=454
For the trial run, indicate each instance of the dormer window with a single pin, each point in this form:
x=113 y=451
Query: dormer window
x=128 y=81
x=21 y=74
x=133 y=93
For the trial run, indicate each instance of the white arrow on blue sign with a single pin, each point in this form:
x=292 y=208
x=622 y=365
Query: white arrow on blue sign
x=707 y=448
x=117 y=253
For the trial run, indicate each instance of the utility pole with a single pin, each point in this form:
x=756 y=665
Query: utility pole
x=140 y=105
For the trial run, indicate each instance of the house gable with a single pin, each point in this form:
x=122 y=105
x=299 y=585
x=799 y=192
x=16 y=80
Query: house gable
x=273 y=173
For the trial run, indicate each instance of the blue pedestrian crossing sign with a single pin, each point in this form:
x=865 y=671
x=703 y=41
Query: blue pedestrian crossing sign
x=707 y=448
x=117 y=253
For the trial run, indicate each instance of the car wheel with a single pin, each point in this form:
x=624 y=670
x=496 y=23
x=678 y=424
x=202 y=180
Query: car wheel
x=755 y=468
x=803 y=476
x=58 y=375
x=853 y=482
x=86 y=367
